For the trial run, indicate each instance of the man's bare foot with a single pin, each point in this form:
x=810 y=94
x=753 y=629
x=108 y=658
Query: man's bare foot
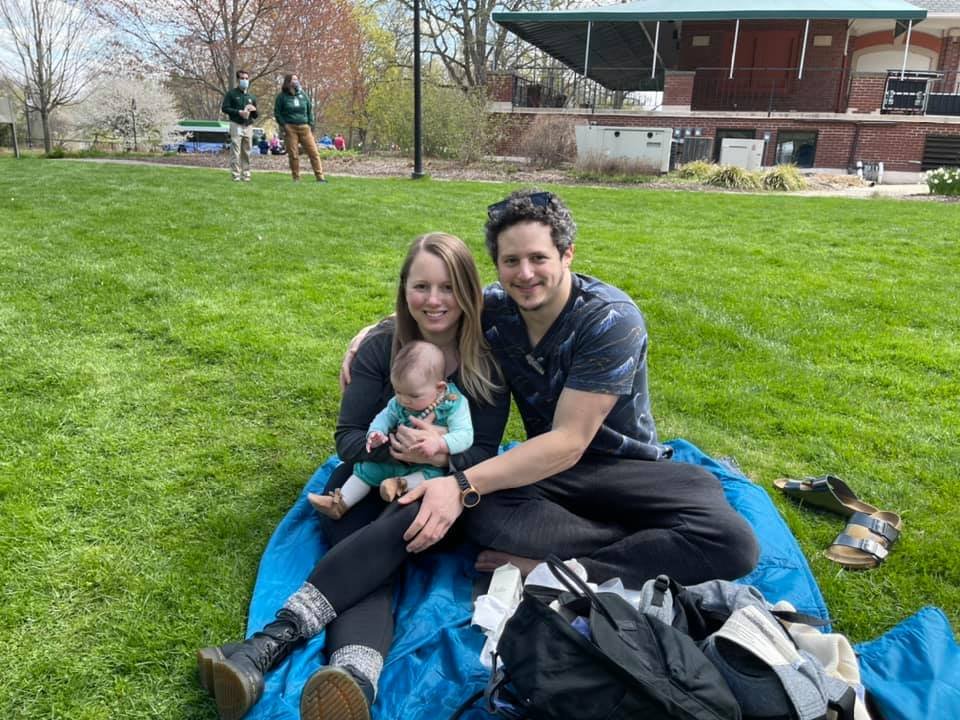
x=490 y=560
x=331 y=505
x=392 y=488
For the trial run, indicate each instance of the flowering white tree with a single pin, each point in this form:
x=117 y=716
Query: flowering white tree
x=140 y=112
x=54 y=46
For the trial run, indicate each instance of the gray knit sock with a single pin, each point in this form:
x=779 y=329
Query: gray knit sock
x=365 y=660
x=312 y=610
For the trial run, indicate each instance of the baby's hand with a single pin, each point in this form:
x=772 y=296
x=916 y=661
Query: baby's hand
x=375 y=439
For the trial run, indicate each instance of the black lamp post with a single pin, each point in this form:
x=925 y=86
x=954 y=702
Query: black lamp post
x=417 y=99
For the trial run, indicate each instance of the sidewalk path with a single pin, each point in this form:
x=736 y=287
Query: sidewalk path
x=893 y=191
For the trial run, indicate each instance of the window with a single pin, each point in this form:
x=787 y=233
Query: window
x=797 y=147
x=722 y=133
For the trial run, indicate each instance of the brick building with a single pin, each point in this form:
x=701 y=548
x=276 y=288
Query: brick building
x=825 y=83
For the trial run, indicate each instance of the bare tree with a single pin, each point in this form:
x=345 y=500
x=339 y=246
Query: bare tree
x=467 y=41
x=55 y=44
x=464 y=36
x=203 y=41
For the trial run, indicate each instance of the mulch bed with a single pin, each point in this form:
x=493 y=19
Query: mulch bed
x=514 y=172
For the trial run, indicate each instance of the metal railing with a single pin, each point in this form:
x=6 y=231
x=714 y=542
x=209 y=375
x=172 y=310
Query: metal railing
x=534 y=86
x=746 y=89
x=770 y=89
x=919 y=93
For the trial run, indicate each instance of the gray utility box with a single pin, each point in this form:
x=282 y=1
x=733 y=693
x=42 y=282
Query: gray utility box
x=648 y=146
x=742 y=152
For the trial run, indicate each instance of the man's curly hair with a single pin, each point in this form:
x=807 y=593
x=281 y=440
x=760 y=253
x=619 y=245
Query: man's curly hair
x=530 y=205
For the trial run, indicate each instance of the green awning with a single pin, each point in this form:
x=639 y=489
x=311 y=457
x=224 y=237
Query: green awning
x=622 y=37
x=731 y=10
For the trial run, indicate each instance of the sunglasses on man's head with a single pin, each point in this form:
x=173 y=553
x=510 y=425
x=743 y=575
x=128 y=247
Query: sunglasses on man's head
x=497 y=210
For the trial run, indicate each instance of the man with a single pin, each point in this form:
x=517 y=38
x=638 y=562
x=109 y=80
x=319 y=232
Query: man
x=241 y=107
x=591 y=481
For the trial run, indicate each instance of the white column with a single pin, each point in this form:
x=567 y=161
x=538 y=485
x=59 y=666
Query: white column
x=906 y=49
x=733 y=55
x=586 y=55
x=803 y=50
x=656 y=49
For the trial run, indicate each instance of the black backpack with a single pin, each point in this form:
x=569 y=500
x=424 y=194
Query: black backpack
x=635 y=666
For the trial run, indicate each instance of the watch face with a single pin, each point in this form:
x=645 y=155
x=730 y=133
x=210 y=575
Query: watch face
x=470 y=498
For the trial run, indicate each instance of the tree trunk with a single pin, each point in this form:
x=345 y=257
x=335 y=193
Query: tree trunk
x=45 y=122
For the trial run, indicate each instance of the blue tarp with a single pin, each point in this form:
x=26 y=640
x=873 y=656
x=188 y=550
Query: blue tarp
x=433 y=665
x=913 y=670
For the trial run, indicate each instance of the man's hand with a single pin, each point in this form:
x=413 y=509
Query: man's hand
x=439 y=508
x=350 y=354
x=375 y=439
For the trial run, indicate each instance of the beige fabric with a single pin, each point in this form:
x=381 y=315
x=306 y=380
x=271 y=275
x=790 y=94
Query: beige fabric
x=833 y=650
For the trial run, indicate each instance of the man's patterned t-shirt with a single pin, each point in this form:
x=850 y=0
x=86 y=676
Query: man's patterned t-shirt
x=598 y=344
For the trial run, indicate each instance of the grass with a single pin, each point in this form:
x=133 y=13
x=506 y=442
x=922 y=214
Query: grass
x=169 y=344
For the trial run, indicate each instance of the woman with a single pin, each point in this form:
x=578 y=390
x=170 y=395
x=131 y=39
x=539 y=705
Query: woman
x=293 y=111
x=349 y=592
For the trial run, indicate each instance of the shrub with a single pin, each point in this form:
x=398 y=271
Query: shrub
x=943 y=181
x=731 y=176
x=784 y=178
x=455 y=123
x=57 y=153
x=699 y=170
x=613 y=169
x=549 y=142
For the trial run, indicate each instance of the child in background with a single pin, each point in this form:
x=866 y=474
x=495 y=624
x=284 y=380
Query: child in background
x=420 y=391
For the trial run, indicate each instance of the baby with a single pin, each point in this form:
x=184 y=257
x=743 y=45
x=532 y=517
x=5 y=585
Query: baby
x=420 y=392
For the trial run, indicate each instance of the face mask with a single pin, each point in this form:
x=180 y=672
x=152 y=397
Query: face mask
x=295 y=86
x=244 y=84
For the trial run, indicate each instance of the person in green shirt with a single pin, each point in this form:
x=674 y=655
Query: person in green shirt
x=294 y=112
x=241 y=107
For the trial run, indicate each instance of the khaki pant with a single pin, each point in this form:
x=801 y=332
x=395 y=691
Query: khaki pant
x=240 y=138
x=297 y=136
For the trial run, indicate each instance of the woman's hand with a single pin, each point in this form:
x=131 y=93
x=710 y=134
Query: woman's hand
x=407 y=444
x=350 y=354
x=430 y=446
x=439 y=509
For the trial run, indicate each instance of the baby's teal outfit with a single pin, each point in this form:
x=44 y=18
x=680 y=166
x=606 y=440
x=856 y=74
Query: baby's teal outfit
x=452 y=412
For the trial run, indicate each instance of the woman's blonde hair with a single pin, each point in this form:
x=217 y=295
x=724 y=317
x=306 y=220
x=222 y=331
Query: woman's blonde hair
x=479 y=373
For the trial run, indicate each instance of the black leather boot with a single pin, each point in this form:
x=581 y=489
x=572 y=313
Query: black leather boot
x=234 y=672
x=336 y=693
x=210 y=655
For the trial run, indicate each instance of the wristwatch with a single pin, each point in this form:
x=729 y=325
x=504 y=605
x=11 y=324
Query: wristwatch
x=469 y=495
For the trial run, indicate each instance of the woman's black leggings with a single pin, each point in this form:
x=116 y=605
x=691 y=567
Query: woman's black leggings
x=356 y=575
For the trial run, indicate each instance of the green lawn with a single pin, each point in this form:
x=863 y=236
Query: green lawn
x=169 y=344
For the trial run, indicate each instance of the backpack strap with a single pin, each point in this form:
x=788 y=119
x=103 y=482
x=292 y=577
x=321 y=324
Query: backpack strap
x=842 y=704
x=498 y=700
x=466 y=705
x=578 y=587
x=799 y=617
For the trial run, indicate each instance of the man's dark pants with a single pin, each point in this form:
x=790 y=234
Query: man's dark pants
x=632 y=519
